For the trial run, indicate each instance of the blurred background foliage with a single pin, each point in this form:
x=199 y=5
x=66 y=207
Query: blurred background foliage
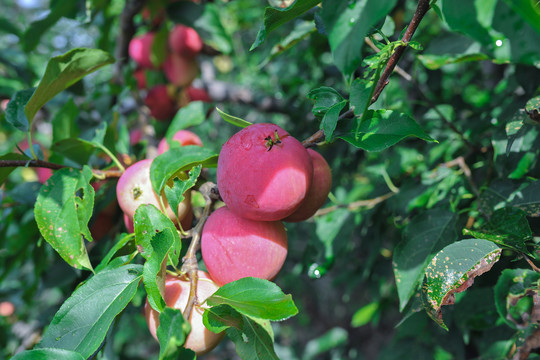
x=476 y=72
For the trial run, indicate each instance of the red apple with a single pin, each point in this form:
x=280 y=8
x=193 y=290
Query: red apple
x=195 y=94
x=318 y=191
x=185 y=41
x=140 y=76
x=263 y=173
x=234 y=247
x=200 y=339
x=184 y=137
x=161 y=104
x=140 y=48
x=180 y=70
x=134 y=188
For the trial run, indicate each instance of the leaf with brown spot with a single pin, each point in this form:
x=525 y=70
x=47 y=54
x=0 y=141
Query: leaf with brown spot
x=453 y=270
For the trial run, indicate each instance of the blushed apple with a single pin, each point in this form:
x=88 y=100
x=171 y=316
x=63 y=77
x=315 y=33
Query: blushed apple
x=180 y=70
x=184 y=40
x=160 y=102
x=140 y=48
x=184 y=137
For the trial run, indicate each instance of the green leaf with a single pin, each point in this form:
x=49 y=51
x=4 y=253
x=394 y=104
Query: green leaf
x=63 y=123
x=175 y=193
x=159 y=50
x=172 y=332
x=324 y=97
x=84 y=319
x=48 y=354
x=301 y=31
x=512 y=286
x=274 y=18
x=528 y=12
x=192 y=114
x=330 y=119
x=462 y=16
x=6 y=26
x=236 y=121
x=507 y=193
x=149 y=220
x=62 y=211
x=331 y=339
x=253 y=338
x=63 y=71
x=507 y=227
x=5 y=171
x=434 y=62
x=124 y=240
x=155 y=268
x=75 y=149
x=256 y=298
x=15 y=109
x=425 y=235
x=179 y=159
x=384 y=128
x=361 y=92
x=453 y=270
x=365 y=314
x=347 y=24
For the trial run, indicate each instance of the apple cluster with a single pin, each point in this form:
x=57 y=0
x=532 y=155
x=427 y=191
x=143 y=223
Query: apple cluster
x=180 y=68
x=265 y=176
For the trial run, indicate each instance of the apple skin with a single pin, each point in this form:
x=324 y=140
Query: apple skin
x=200 y=339
x=318 y=191
x=185 y=41
x=184 y=137
x=259 y=182
x=134 y=188
x=162 y=106
x=234 y=247
x=140 y=48
x=180 y=70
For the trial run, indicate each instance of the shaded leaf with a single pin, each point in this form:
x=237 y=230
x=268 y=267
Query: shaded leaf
x=172 y=332
x=331 y=339
x=236 y=121
x=330 y=119
x=324 y=97
x=528 y=12
x=63 y=122
x=192 y=114
x=63 y=208
x=48 y=354
x=255 y=297
x=425 y=235
x=15 y=109
x=175 y=193
x=453 y=270
x=361 y=92
x=84 y=319
x=75 y=149
x=301 y=31
x=221 y=317
x=365 y=314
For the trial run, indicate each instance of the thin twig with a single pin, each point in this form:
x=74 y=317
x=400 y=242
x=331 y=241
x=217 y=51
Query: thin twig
x=370 y=203
x=531 y=264
x=190 y=266
x=460 y=162
x=319 y=135
x=102 y=174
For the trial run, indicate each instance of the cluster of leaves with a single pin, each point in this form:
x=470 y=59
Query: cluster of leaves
x=433 y=218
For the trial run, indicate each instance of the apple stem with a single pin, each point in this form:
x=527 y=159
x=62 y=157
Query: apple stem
x=190 y=265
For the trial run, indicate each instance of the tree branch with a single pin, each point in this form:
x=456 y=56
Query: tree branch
x=102 y=174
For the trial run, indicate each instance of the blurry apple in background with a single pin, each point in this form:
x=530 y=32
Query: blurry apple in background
x=140 y=48
x=160 y=102
x=184 y=137
x=140 y=77
x=180 y=70
x=197 y=94
x=185 y=41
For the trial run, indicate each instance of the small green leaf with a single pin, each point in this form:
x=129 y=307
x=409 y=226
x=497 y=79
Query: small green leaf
x=324 y=97
x=255 y=297
x=175 y=193
x=365 y=314
x=172 y=332
x=192 y=114
x=119 y=244
x=425 y=235
x=361 y=92
x=48 y=354
x=453 y=270
x=63 y=71
x=434 y=62
x=236 y=121
x=85 y=318
x=330 y=119
x=149 y=220
x=274 y=18
x=302 y=30
x=381 y=129
x=15 y=109
x=331 y=339
x=179 y=159
x=63 y=208
x=159 y=50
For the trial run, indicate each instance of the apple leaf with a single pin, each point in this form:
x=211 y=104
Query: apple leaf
x=78 y=150
x=256 y=298
x=119 y=244
x=274 y=18
x=15 y=114
x=453 y=270
x=347 y=23
x=63 y=71
x=253 y=338
x=425 y=235
x=324 y=97
x=192 y=114
x=48 y=354
x=175 y=193
x=179 y=159
x=330 y=119
x=502 y=193
x=63 y=123
x=172 y=332
x=236 y=121
x=381 y=129
x=361 y=92
x=62 y=211
x=149 y=220
x=85 y=317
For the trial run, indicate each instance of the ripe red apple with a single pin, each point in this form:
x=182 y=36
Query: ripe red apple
x=134 y=188
x=180 y=70
x=140 y=48
x=263 y=173
x=234 y=247
x=195 y=94
x=200 y=339
x=318 y=191
x=185 y=41
x=184 y=137
x=161 y=104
